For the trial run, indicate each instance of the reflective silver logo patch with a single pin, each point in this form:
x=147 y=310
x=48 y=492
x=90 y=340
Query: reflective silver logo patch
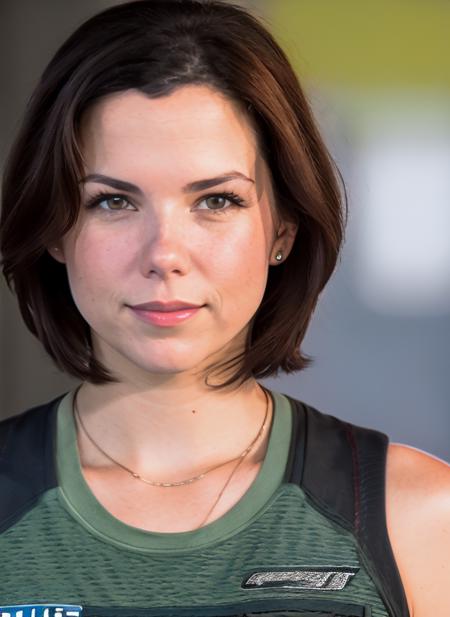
x=303 y=577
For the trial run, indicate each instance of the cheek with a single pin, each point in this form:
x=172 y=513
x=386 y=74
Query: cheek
x=93 y=261
x=239 y=265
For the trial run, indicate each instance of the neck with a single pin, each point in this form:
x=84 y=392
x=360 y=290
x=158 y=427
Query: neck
x=168 y=432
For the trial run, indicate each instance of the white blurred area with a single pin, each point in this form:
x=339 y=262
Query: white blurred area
x=402 y=257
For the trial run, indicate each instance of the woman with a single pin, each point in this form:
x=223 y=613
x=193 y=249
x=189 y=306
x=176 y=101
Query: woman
x=170 y=217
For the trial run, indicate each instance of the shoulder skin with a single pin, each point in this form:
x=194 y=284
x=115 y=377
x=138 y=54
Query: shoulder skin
x=418 y=521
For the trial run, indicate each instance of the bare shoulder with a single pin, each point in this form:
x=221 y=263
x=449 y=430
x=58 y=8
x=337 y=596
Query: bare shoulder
x=418 y=521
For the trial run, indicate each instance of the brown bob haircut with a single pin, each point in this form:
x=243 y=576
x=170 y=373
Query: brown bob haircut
x=156 y=46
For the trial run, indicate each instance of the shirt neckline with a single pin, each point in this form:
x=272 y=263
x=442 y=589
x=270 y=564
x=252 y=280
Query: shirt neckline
x=82 y=504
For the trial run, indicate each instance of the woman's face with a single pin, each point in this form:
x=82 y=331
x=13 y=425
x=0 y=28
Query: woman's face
x=187 y=216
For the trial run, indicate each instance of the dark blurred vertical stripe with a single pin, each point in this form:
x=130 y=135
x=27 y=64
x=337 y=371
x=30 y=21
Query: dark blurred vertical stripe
x=30 y=32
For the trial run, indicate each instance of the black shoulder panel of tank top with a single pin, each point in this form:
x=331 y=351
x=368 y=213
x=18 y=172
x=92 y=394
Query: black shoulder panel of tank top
x=341 y=467
x=27 y=460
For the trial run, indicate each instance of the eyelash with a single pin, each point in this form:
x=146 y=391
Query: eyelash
x=97 y=199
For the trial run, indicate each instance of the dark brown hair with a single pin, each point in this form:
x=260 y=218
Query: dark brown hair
x=156 y=46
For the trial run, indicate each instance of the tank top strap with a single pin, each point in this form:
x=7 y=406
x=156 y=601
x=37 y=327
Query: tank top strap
x=27 y=460
x=341 y=468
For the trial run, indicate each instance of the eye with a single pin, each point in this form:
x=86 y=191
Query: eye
x=217 y=202
x=113 y=202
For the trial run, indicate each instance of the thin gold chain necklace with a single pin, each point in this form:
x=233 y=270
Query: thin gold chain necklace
x=135 y=475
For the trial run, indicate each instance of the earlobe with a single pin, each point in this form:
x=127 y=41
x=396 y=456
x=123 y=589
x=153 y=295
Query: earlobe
x=285 y=239
x=57 y=253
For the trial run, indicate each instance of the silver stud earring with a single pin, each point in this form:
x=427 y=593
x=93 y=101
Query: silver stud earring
x=279 y=256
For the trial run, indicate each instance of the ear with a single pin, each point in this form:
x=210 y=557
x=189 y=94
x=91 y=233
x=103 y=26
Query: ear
x=284 y=241
x=57 y=252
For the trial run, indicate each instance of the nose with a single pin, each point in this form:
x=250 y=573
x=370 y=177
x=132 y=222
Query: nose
x=165 y=246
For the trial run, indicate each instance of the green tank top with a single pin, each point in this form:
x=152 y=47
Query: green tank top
x=289 y=547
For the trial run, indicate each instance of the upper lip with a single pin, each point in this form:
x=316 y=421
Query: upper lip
x=174 y=305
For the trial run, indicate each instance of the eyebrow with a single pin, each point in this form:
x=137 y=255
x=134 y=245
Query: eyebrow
x=192 y=187
x=201 y=185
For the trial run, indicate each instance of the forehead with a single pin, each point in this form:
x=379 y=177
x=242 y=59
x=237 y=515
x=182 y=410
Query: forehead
x=194 y=125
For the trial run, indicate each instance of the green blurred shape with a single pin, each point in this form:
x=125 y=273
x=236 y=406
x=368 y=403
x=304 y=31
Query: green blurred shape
x=365 y=44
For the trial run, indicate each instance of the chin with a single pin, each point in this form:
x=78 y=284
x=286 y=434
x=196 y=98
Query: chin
x=167 y=365
x=164 y=357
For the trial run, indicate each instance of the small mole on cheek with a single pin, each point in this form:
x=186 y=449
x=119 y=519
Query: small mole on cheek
x=193 y=411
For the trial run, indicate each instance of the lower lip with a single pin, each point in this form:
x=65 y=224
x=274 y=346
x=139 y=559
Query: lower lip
x=166 y=318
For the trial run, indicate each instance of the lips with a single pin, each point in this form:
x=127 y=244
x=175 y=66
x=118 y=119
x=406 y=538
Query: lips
x=166 y=314
x=174 y=305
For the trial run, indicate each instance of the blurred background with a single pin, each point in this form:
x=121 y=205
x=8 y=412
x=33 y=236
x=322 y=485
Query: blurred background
x=377 y=75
